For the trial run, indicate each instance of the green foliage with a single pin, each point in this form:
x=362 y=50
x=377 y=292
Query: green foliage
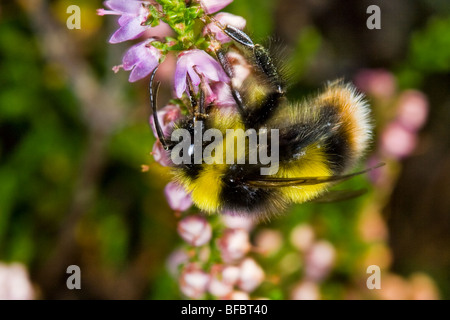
x=430 y=47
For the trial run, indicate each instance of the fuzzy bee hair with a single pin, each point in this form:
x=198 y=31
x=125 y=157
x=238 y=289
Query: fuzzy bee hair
x=320 y=139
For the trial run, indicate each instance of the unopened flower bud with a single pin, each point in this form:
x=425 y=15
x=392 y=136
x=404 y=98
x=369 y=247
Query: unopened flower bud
x=251 y=275
x=397 y=141
x=193 y=281
x=15 y=283
x=306 y=290
x=224 y=18
x=238 y=222
x=319 y=260
x=238 y=295
x=302 y=237
x=219 y=285
x=412 y=109
x=175 y=260
x=268 y=241
x=234 y=245
x=177 y=198
x=161 y=155
x=195 y=230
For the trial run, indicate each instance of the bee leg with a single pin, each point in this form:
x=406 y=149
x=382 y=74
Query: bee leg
x=255 y=116
x=197 y=107
x=153 y=96
x=192 y=98
x=261 y=56
x=221 y=56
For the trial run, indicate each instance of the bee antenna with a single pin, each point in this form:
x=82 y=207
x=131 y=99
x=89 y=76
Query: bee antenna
x=153 y=96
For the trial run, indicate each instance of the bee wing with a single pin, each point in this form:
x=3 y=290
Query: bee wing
x=268 y=182
x=339 y=195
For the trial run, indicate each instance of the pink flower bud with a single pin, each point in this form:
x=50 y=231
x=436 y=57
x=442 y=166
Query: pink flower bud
x=240 y=66
x=397 y=141
x=161 y=155
x=268 y=241
x=219 y=285
x=302 y=237
x=237 y=295
x=15 y=283
x=193 y=281
x=319 y=260
x=234 y=245
x=177 y=198
x=224 y=18
x=195 y=230
x=412 y=109
x=379 y=83
x=306 y=290
x=238 y=222
x=166 y=118
x=251 y=276
x=175 y=260
x=230 y=274
x=211 y=6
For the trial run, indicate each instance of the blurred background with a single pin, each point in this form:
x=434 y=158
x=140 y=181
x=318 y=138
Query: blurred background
x=74 y=135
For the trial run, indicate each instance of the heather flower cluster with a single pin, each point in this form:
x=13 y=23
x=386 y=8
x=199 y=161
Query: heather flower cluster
x=404 y=114
x=218 y=266
x=215 y=263
x=196 y=65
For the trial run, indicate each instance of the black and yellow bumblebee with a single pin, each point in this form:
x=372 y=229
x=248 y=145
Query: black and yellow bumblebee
x=319 y=139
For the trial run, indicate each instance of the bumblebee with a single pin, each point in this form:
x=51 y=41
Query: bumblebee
x=319 y=140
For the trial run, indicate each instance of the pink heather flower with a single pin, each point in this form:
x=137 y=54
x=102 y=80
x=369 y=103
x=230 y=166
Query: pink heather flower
x=234 y=244
x=219 y=284
x=224 y=18
x=142 y=59
x=193 y=281
x=268 y=241
x=240 y=66
x=306 y=290
x=166 y=118
x=319 y=260
x=237 y=221
x=302 y=237
x=237 y=295
x=132 y=14
x=195 y=230
x=161 y=155
x=175 y=260
x=15 y=283
x=412 y=109
x=230 y=274
x=211 y=6
x=379 y=83
x=397 y=141
x=196 y=64
x=220 y=95
x=251 y=276
x=177 y=198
